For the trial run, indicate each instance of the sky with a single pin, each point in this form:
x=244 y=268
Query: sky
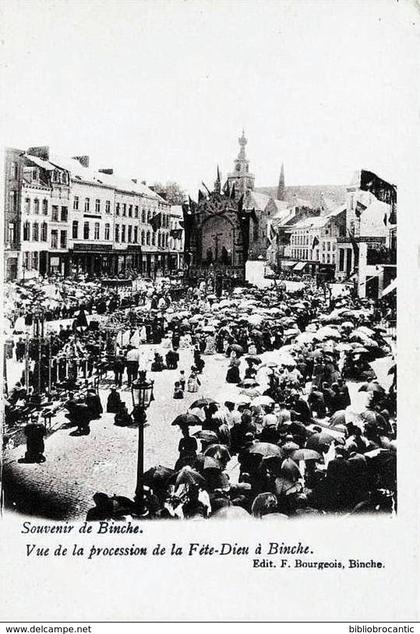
x=160 y=90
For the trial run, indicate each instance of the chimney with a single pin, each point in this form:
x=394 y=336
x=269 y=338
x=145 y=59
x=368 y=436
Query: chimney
x=134 y=180
x=42 y=152
x=106 y=170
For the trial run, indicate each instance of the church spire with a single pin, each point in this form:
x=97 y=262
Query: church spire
x=218 y=183
x=281 y=187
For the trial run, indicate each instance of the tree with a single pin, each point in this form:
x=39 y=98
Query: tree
x=171 y=192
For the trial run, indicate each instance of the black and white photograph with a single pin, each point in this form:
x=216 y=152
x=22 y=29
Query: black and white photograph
x=200 y=279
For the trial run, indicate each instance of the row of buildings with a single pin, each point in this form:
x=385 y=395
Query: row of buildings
x=63 y=217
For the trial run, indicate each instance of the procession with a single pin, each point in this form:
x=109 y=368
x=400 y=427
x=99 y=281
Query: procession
x=283 y=402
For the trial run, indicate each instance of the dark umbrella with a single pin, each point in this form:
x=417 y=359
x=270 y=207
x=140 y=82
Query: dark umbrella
x=305 y=454
x=237 y=348
x=372 y=386
x=320 y=441
x=253 y=358
x=290 y=470
x=203 y=402
x=157 y=476
x=190 y=420
x=206 y=435
x=219 y=452
x=264 y=503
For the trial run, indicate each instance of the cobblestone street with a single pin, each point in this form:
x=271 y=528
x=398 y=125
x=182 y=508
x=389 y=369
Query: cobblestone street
x=79 y=466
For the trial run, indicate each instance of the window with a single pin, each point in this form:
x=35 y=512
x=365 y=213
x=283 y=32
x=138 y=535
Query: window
x=153 y=238
x=54 y=238
x=35 y=260
x=136 y=211
x=142 y=238
x=11 y=233
x=13 y=201
x=27 y=205
x=75 y=230
x=255 y=234
x=13 y=169
x=107 y=230
x=117 y=209
x=124 y=209
x=44 y=232
x=117 y=233
x=123 y=233
x=35 y=232
x=45 y=207
x=27 y=260
x=129 y=233
x=108 y=207
x=143 y=216
x=148 y=237
x=86 y=231
x=167 y=239
x=76 y=203
x=158 y=239
x=149 y=213
x=64 y=214
x=63 y=239
x=36 y=206
x=136 y=235
x=130 y=211
x=97 y=206
x=87 y=204
x=26 y=231
x=96 y=231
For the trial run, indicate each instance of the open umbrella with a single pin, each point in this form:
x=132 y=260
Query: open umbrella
x=264 y=503
x=265 y=449
x=157 y=476
x=290 y=447
x=202 y=402
x=187 y=419
x=237 y=348
x=219 y=452
x=305 y=454
x=206 y=435
x=252 y=358
x=290 y=470
x=320 y=441
x=189 y=476
x=372 y=386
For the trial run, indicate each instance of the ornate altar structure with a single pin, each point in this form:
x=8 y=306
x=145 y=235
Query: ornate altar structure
x=216 y=234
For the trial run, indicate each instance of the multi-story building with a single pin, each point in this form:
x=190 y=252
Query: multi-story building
x=63 y=217
x=313 y=241
x=366 y=254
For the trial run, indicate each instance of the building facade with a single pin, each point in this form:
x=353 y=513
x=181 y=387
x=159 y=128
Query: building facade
x=63 y=217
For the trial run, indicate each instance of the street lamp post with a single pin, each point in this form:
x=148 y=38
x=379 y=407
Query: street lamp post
x=142 y=395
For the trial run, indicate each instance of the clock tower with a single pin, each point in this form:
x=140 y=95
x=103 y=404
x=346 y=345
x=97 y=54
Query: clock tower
x=241 y=178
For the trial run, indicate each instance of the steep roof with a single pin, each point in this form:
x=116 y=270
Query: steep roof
x=257 y=200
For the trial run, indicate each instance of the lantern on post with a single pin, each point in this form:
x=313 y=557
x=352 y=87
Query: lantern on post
x=142 y=395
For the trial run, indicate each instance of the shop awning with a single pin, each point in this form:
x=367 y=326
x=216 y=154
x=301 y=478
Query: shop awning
x=300 y=266
x=391 y=287
x=288 y=263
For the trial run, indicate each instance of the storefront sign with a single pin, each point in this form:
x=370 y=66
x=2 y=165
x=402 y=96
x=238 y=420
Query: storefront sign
x=88 y=248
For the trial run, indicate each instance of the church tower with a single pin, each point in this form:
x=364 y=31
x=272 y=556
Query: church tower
x=241 y=177
x=281 y=187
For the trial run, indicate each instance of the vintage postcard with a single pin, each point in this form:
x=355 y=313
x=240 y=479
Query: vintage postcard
x=209 y=307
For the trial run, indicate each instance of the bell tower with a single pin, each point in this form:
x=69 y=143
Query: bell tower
x=241 y=176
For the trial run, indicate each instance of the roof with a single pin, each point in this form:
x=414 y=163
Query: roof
x=316 y=222
x=308 y=195
x=257 y=200
x=89 y=175
x=46 y=165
